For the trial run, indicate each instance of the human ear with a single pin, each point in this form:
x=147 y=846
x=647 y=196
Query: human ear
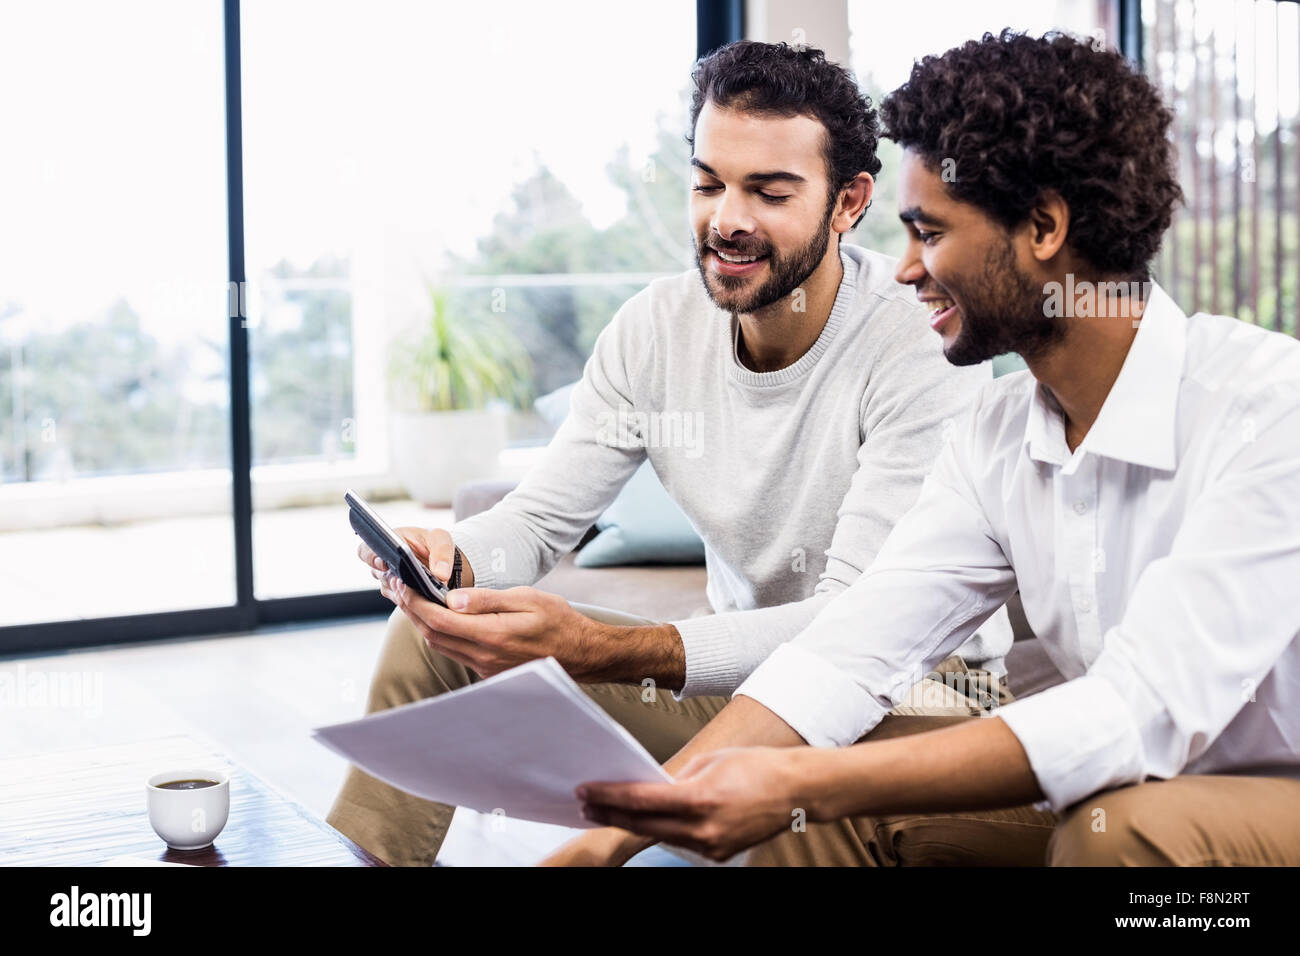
x=853 y=202
x=1049 y=222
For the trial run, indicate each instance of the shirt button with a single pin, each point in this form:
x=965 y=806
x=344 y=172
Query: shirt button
x=1084 y=605
x=1080 y=506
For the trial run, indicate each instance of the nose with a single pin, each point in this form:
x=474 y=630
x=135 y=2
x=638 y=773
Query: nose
x=910 y=270
x=731 y=215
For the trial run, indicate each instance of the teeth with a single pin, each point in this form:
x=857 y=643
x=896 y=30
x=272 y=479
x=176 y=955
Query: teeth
x=941 y=305
x=727 y=258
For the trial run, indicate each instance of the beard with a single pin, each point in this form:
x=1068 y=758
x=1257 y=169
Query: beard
x=785 y=273
x=1002 y=311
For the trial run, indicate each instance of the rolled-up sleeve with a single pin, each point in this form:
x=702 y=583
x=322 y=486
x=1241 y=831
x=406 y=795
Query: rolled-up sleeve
x=1203 y=628
x=837 y=713
x=1075 y=734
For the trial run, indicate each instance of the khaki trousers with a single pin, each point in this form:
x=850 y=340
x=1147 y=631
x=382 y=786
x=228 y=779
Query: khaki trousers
x=407 y=831
x=1175 y=821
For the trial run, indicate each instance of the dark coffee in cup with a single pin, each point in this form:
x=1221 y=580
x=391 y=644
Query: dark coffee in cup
x=187 y=784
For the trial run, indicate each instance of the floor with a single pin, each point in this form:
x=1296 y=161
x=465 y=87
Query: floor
x=255 y=696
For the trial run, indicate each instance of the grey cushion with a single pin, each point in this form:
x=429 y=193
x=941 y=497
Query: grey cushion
x=643 y=525
x=478 y=496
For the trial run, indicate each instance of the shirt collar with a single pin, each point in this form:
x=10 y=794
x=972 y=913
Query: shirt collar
x=1137 y=422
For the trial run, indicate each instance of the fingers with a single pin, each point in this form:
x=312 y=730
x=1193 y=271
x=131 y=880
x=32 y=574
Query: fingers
x=472 y=627
x=388 y=586
x=433 y=547
x=462 y=652
x=435 y=615
x=415 y=538
x=441 y=553
x=664 y=827
x=667 y=798
x=491 y=601
x=685 y=830
x=369 y=557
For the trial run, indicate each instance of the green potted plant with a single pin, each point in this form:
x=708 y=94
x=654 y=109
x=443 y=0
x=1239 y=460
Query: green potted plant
x=451 y=388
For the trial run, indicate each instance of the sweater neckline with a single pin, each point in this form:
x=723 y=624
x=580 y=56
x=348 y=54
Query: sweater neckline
x=737 y=371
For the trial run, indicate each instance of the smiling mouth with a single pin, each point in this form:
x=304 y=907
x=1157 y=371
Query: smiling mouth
x=937 y=306
x=941 y=310
x=734 y=265
x=736 y=259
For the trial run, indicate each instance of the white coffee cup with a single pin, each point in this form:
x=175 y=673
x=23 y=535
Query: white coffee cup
x=188 y=819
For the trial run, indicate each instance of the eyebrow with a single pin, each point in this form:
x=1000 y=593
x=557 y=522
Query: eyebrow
x=773 y=177
x=916 y=213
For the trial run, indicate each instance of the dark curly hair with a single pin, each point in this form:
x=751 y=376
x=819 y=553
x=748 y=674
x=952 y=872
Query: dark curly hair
x=1017 y=115
x=780 y=80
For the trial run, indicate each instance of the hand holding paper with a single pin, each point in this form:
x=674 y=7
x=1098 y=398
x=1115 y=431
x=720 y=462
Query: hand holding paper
x=520 y=742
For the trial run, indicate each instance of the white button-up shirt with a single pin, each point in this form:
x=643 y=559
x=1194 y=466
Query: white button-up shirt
x=1159 y=563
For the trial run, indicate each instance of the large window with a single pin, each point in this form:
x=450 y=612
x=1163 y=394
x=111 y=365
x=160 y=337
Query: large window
x=115 y=488
x=512 y=170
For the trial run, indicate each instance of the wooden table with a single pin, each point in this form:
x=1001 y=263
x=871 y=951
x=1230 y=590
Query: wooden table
x=86 y=807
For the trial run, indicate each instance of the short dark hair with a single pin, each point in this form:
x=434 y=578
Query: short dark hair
x=780 y=80
x=1013 y=115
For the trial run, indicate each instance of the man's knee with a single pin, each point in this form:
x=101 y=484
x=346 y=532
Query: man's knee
x=1124 y=827
x=1187 y=820
x=410 y=670
x=660 y=723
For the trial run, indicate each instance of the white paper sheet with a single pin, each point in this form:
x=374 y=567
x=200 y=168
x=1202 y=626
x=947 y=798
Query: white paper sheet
x=518 y=743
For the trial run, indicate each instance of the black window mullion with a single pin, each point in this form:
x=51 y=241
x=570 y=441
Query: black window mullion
x=1129 y=16
x=717 y=23
x=240 y=430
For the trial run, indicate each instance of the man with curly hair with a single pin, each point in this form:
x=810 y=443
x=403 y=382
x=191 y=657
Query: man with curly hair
x=1139 y=485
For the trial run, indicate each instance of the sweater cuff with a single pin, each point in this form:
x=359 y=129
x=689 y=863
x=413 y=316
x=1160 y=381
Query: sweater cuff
x=478 y=555
x=712 y=665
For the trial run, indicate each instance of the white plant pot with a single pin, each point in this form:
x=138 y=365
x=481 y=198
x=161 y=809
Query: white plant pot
x=437 y=452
